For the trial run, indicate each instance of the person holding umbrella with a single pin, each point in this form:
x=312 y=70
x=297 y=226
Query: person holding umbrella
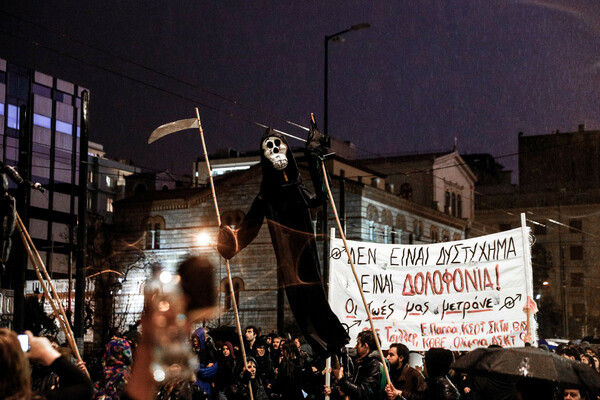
x=538 y=372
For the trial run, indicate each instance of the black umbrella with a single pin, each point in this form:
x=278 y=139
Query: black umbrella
x=529 y=362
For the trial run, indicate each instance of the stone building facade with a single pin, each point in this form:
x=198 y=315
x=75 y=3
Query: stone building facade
x=559 y=191
x=166 y=226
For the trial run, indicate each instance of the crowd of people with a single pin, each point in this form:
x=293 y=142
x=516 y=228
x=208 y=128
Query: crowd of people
x=277 y=367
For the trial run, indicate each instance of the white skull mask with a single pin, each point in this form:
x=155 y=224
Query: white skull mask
x=275 y=150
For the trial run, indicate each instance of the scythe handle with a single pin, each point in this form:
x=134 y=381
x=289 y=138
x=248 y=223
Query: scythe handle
x=231 y=290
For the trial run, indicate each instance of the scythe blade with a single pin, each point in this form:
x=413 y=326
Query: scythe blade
x=171 y=127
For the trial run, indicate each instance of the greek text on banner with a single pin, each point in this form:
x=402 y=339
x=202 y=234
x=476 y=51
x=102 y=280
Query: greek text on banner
x=457 y=295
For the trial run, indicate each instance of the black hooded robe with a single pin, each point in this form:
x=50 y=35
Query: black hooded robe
x=286 y=203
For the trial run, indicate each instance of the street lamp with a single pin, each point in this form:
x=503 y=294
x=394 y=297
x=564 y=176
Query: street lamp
x=335 y=37
x=324 y=228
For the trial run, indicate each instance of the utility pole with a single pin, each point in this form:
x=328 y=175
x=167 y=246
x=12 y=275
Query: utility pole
x=81 y=222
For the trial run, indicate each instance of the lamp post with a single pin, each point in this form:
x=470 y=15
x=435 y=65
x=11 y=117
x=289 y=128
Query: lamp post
x=324 y=227
x=336 y=37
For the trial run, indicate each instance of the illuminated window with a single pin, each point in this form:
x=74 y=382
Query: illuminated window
x=42 y=120
x=64 y=127
x=109 y=205
x=13 y=117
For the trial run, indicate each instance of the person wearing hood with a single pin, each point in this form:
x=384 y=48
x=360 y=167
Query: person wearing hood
x=248 y=379
x=365 y=382
x=285 y=202
x=117 y=362
x=205 y=350
x=228 y=367
x=264 y=364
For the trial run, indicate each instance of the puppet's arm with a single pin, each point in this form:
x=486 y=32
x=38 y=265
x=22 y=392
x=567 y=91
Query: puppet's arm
x=232 y=241
x=316 y=149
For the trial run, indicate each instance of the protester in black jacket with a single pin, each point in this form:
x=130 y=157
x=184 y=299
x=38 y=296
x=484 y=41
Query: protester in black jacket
x=366 y=381
x=294 y=374
x=437 y=366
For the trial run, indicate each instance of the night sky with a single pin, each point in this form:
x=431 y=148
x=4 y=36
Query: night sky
x=423 y=74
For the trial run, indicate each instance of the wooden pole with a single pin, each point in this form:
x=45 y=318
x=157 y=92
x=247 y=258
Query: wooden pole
x=529 y=302
x=343 y=236
x=48 y=288
x=231 y=291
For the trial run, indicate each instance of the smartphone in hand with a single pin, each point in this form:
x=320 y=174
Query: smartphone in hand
x=24 y=341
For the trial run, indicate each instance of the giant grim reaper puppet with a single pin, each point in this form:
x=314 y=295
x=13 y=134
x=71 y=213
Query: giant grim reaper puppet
x=285 y=202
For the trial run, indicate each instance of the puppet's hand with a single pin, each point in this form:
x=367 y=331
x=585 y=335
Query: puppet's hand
x=316 y=142
x=227 y=242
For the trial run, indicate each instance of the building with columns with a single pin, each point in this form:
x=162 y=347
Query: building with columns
x=169 y=226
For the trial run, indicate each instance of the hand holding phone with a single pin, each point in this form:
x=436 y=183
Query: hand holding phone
x=40 y=349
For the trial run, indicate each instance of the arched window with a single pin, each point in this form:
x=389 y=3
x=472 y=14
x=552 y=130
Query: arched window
x=401 y=222
x=434 y=232
x=152 y=227
x=386 y=218
x=417 y=229
x=238 y=286
x=445 y=235
x=372 y=213
x=456 y=236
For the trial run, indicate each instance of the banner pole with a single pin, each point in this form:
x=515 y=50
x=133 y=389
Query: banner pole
x=530 y=306
x=343 y=237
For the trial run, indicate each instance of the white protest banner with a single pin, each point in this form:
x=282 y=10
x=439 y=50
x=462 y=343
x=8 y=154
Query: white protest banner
x=457 y=295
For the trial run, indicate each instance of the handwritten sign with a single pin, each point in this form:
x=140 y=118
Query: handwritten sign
x=457 y=295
